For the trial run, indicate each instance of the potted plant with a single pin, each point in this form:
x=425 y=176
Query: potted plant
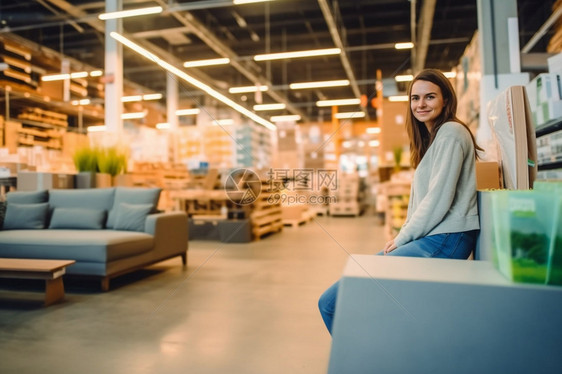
x=85 y=161
x=397 y=151
x=111 y=162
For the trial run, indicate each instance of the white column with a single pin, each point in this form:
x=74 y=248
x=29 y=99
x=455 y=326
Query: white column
x=495 y=23
x=172 y=118
x=113 y=71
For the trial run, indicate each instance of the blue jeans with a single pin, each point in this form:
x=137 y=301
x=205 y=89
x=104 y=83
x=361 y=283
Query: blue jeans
x=457 y=245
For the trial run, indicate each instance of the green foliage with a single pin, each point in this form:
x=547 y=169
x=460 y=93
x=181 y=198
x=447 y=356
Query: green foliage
x=532 y=246
x=85 y=160
x=111 y=161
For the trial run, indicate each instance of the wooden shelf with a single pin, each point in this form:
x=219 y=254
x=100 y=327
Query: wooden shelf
x=549 y=127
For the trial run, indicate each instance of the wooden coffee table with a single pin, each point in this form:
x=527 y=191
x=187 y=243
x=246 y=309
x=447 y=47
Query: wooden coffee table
x=50 y=270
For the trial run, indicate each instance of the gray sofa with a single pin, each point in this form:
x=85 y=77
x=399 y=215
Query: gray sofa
x=107 y=231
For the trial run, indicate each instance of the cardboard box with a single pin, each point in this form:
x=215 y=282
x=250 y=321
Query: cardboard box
x=487 y=175
x=34 y=181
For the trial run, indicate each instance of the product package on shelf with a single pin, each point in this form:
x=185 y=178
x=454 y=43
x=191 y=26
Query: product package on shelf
x=545 y=98
x=514 y=134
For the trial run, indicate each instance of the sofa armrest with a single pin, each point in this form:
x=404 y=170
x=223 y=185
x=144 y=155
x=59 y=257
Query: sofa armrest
x=170 y=231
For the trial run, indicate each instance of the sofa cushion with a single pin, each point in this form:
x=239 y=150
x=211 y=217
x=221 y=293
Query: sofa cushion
x=27 y=197
x=90 y=198
x=25 y=216
x=80 y=245
x=132 y=195
x=78 y=218
x=131 y=217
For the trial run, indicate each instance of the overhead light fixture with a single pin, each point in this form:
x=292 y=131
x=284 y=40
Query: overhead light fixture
x=320 y=84
x=130 y=99
x=133 y=115
x=297 y=54
x=348 y=115
x=247 y=89
x=224 y=122
x=404 y=78
x=398 y=98
x=374 y=143
x=97 y=128
x=96 y=73
x=154 y=96
x=239 y=2
x=189 y=79
x=269 y=106
x=55 y=77
x=131 y=13
x=339 y=102
x=163 y=126
x=407 y=45
x=373 y=130
x=286 y=118
x=450 y=74
x=81 y=102
x=187 y=112
x=80 y=74
x=209 y=62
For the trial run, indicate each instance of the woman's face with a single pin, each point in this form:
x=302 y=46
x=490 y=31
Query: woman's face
x=426 y=102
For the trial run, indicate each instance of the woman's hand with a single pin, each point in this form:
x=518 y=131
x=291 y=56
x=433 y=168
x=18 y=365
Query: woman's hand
x=389 y=247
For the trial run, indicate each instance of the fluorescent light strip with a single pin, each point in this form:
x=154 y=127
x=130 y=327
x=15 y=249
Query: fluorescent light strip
x=80 y=74
x=187 y=112
x=339 y=102
x=374 y=143
x=209 y=62
x=163 y=126
x=398 y=98
x=287 y=118
x=269 y=106
x=81 y=102
x=97 y=128
x=450 y=74
x=247 y=89
x=131 y=13
x=407 y=45
x=189 y=79
x=303 y=85
x=298 y=54
x=96 y=73
x=348 y=115
x=55 y=77
x=404 y=78
x=373 y=130
x=155 y=96
x=130 y=99
x=133 y=115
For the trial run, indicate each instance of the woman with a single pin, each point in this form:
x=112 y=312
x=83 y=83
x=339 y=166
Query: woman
x=442 y=216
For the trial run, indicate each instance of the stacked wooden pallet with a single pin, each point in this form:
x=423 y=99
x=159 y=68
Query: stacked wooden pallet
x=45 y=116
x=266 y=216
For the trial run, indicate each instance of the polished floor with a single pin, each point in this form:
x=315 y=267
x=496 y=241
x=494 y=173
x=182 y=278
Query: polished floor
x=237 y=308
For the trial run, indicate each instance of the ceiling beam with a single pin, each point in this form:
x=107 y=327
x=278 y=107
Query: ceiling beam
x=338 y=41
x=208 y=37
x=423 y=35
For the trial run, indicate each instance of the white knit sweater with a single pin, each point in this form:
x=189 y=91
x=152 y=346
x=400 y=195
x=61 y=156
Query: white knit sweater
x=443 y=193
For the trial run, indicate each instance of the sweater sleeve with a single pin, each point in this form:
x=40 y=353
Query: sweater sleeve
x=445 y=171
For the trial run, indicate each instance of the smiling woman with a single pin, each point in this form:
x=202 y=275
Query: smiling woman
x=442 y=218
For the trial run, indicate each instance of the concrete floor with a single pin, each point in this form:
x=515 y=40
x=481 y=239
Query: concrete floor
x=237 y=308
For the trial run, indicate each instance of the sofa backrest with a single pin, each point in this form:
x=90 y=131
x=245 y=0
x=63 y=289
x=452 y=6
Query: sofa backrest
x=89 y=198
x=134 y=196
x=27 y=197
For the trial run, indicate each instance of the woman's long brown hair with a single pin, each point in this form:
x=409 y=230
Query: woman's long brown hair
x=420 y=137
